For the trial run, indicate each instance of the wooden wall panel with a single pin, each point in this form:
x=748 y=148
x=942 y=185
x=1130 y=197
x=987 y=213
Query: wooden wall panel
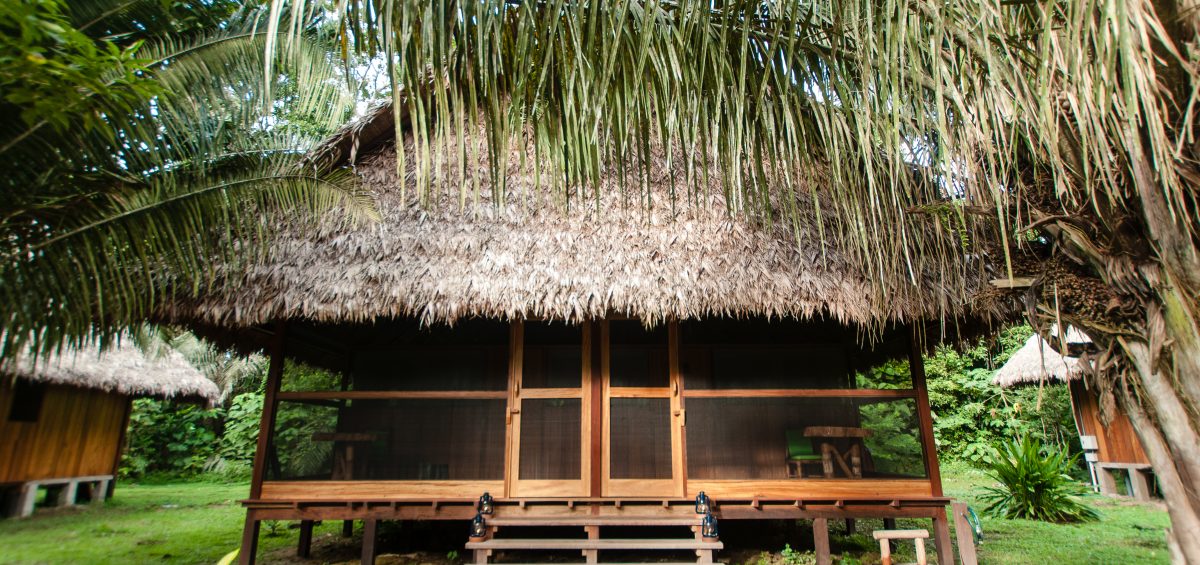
x=77 y=434
x=1117 y=442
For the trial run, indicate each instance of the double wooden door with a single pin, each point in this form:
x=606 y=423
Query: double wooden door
x=594 y=411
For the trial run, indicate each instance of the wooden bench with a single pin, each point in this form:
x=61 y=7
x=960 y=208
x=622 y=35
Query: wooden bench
x=885 y=549
x=1138 y=474
x=67 y=489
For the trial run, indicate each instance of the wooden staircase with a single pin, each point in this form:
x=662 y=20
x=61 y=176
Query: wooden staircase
x=593 y=544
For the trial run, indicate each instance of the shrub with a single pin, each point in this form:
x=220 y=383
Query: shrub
x=169 y=438
x=1035 y=484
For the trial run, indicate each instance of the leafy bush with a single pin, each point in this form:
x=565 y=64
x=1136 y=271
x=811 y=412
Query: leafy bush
x=1035 y=484
x=972 y=417
x=169 y=438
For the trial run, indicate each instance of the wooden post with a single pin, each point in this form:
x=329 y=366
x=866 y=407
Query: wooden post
x=368 y=543
x=267 y=425
x=304 y=545
x=889 y=523
x=592 y=555
x=249 y=548
x=941 y=537
x=962 y=531
x=924 y=416
x=821 y=541
x=274 y=375
x=347 y=528
x=850 y=526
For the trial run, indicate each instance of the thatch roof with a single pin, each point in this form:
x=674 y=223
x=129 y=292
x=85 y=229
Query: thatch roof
x=439 y=260
x=123 y=369
x=1038 y=361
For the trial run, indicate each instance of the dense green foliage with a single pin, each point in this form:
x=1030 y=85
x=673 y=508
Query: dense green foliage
x=1035 y=483
x=168 y=438
x=972 y=417
x=175 y=439
x=140 y=148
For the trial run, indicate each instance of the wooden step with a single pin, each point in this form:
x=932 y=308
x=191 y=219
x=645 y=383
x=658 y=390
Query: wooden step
x=594 y=521
x=644 y=544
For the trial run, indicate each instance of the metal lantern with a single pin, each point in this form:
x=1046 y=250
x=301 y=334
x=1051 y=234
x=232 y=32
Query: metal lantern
x=485 y=504
x=708 y=528
x=702 y=504
x=478 y=528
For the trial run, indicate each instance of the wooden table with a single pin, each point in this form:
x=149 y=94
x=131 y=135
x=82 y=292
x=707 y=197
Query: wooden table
x=830 y=454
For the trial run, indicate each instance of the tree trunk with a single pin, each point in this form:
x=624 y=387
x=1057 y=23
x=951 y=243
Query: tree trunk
x=1185 y=520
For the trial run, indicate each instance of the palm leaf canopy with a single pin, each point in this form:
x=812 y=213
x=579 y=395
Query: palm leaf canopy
x=913 y=113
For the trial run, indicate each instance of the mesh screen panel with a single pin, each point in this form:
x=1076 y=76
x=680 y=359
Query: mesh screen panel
x=747 y=438
x=392 y=440
x=640 y=438
x=550 y=439
x=553 y=356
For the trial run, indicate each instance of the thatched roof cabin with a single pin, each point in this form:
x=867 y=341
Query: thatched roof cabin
x=63 y=419
x=1037 y=361
x=457 y=378
x=1106 y=434
x=124 y=370
x=684 y=256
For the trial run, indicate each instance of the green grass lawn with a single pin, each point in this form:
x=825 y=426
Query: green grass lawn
x=1127 y=532
x=199 y=522
x=195 y=522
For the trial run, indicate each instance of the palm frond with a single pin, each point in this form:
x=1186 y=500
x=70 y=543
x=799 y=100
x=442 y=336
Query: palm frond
x=899 y=105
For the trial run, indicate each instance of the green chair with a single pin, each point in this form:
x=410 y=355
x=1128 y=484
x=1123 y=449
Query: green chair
x=800 y=452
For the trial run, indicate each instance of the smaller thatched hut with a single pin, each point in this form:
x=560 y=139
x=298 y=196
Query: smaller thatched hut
x=1110 y=447
x=65 y=419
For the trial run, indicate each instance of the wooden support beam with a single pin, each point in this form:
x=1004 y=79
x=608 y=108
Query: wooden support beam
x=304 y=544
x=821 y=541
x=850 y=526
x=941 y=537
x=267 y=424
x=368 y=541
x=249 y=548
x=347 y=528
x=924 y=415
x=592 y=555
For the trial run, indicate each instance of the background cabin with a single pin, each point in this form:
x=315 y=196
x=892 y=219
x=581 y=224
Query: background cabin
x=1111 y=448
x=64 y=420
x=584 y=359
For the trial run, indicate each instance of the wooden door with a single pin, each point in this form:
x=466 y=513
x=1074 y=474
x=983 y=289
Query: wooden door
x=642 y=417
x=551 y=410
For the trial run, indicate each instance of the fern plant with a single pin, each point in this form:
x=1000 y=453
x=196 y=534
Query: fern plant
x=1036 y=484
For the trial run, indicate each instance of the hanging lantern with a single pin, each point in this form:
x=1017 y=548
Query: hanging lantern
x=703 y=505
x=708 y=528
x=478 y=528
x=485 y=504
